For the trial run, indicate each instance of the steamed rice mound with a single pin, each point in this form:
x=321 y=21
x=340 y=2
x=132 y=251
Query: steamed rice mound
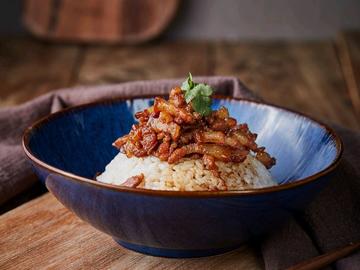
x=188 y=174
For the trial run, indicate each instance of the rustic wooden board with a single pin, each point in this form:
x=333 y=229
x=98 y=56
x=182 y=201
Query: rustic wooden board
x=42 y=234
x=304 y=76
x=30 y=68
x=123 y=21
x=348 y=45
x=154 y=61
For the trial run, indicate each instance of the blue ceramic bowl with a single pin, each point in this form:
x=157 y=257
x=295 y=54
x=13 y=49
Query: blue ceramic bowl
x=68 y=148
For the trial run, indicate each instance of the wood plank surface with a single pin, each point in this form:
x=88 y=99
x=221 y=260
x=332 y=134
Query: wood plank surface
x=42 y=234
x=29 y=68
x=304 y=76
x=348 y=45
x=153 y=61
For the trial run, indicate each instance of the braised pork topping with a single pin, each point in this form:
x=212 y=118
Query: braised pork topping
x=176 y=128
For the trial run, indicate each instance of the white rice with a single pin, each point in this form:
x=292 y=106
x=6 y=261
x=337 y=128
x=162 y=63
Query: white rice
x=187 y=175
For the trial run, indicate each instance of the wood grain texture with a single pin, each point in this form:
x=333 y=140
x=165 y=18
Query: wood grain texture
x=154 y=61
x=30 y=68
x=304 y=76
x=124 y=21
x=42 y=234
x=348 y=47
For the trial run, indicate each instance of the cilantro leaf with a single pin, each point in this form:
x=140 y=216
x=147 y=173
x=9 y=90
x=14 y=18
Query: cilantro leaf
x=188 y=84
x=202 y=105
x=198 y=94
x=204 y=89
x=191 y=94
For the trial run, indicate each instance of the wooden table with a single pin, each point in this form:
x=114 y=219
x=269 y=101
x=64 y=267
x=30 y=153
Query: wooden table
x=320 y=78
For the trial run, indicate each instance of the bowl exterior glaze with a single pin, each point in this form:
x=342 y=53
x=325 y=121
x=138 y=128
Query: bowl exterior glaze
x=175 y=224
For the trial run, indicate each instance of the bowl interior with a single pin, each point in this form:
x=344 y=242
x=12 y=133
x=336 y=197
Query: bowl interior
x=79 y=140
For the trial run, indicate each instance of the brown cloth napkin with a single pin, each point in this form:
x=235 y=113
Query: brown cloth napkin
x=331 y=221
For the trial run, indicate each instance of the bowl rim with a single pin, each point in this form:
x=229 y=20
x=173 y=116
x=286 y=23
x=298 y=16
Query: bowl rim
x=191 y=194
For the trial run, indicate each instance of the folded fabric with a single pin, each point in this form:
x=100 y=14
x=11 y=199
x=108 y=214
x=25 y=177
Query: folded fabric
x=331 y=221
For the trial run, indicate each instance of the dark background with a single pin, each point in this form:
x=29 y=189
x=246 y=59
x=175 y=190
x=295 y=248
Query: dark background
x=234 y=19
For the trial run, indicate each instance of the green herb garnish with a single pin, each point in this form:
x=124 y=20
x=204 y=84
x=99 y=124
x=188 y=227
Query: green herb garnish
x=198 y=94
